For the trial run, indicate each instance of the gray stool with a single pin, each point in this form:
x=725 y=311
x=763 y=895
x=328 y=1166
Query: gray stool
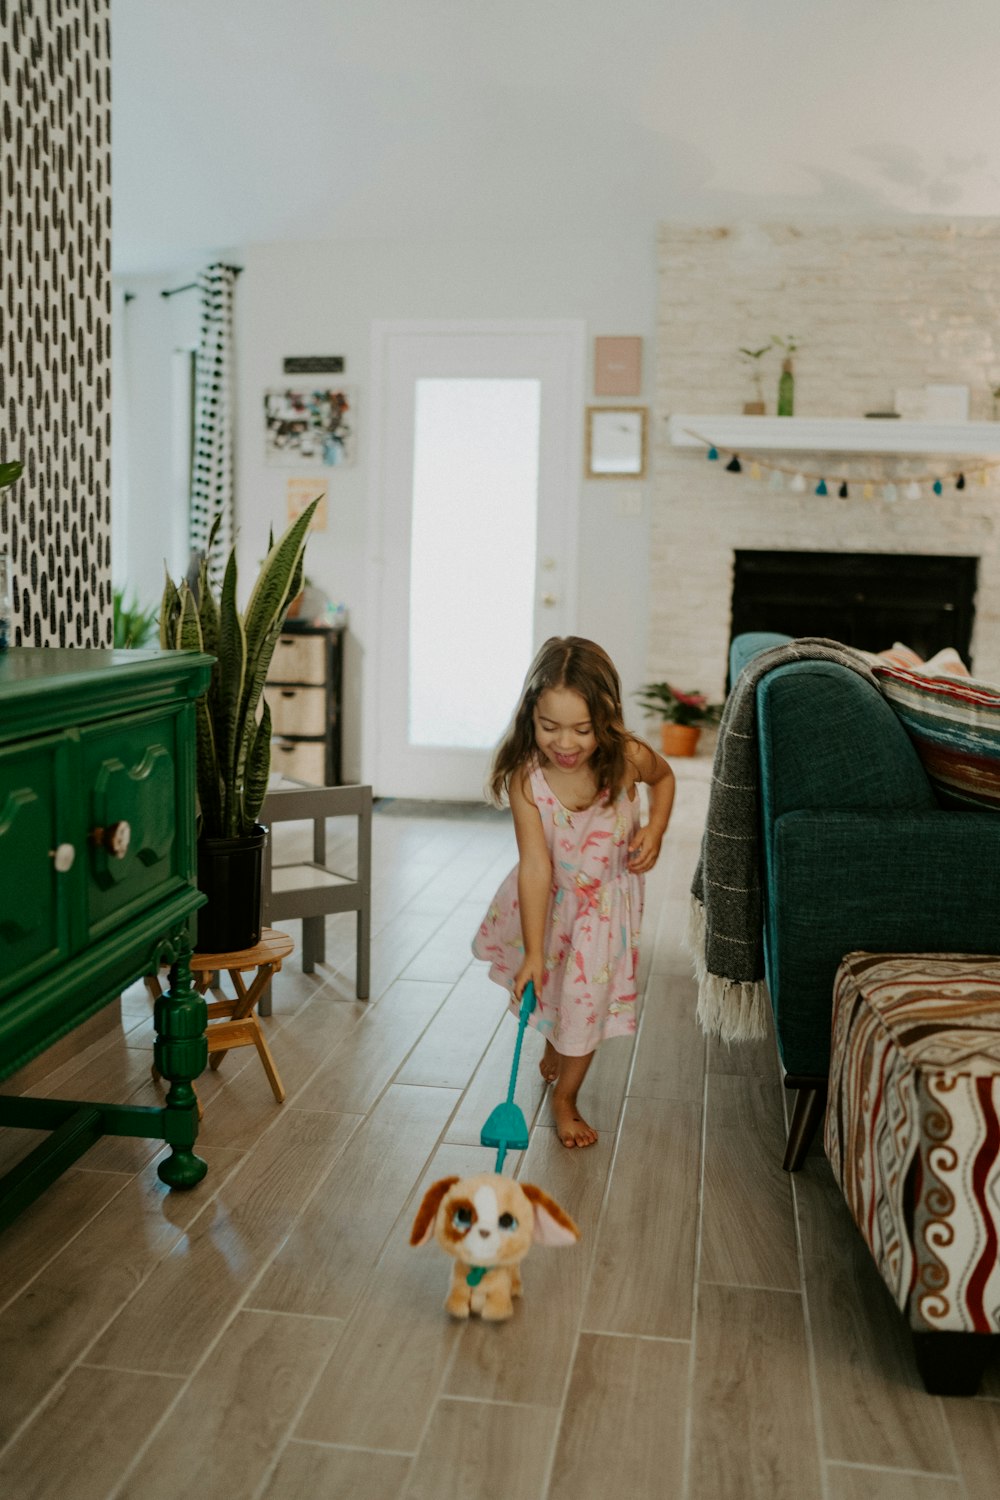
x=310 y=889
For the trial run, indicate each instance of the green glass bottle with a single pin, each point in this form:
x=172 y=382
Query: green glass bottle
x=786 y=390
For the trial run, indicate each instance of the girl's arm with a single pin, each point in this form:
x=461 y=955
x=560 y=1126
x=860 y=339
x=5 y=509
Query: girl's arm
x=534 y=884
x=644 y=850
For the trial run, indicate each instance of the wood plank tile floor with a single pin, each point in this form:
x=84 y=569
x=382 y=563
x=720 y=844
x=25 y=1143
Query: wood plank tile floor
x=719 y=1333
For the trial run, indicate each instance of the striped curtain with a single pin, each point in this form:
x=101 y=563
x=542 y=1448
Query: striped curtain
x=212 y=462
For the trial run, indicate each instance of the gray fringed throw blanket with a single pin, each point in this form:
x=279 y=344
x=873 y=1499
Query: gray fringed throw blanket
x=725 y=934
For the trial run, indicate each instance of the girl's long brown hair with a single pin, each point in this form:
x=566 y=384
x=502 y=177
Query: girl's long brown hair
x=567 y=662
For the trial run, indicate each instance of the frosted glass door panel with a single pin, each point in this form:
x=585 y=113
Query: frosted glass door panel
x=472 y=556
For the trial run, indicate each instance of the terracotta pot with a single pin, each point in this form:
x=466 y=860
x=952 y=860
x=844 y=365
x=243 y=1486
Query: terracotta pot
x=679 y=739
x=754 y=409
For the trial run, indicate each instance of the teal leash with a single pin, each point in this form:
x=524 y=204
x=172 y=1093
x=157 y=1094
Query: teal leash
x=475 y=1274
x=528 y=1002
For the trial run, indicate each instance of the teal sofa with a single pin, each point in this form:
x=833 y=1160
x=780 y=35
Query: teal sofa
x=858 y=854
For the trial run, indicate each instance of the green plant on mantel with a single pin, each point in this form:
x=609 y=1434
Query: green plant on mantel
x=233 y=743
x=752 y=358
x=661 y=701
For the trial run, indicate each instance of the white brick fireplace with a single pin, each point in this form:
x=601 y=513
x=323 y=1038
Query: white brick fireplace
x=874 y=310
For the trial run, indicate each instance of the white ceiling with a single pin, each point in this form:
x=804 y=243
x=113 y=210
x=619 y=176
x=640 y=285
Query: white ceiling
x=237 y=121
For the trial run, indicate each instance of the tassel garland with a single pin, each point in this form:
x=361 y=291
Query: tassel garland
x=799 y=480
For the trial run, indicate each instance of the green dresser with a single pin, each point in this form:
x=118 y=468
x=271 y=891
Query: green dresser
x=97 y=885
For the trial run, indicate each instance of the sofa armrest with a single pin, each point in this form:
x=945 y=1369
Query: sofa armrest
x=835 y=882
x=744 y=647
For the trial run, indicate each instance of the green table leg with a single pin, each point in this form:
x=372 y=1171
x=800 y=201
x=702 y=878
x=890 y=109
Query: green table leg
x=180 y=1053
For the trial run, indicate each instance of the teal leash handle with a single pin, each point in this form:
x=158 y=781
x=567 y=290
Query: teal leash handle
x=528 y=1003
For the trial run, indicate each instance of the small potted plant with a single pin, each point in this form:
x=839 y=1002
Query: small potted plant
x=682 y=715
x=752 y=358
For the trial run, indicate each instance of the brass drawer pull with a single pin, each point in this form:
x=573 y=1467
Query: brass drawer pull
x=114 y=839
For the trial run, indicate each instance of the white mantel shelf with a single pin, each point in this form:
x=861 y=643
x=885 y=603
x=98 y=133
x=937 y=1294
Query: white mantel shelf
x=837 y=435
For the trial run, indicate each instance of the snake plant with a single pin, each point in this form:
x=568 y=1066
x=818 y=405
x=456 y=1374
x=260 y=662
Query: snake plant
x=233 y=738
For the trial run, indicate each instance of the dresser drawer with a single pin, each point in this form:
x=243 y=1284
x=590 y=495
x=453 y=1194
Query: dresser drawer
x=131 y=774
x=301 y=760
x=299 y=658
x=297 y=710
x=36 y=899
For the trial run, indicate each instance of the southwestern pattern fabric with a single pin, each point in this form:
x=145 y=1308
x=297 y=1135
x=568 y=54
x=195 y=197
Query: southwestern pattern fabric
x=954 y=723
x=913 y=1128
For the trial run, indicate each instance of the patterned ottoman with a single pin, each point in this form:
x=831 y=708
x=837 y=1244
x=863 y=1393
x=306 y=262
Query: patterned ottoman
x=913 y=1136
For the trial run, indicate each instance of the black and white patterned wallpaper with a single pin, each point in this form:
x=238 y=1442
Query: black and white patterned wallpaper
x=55 y=317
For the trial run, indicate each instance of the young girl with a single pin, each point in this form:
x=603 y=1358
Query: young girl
x=567 y=916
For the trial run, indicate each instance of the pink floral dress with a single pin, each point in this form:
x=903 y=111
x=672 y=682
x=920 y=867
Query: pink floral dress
x=595 y=912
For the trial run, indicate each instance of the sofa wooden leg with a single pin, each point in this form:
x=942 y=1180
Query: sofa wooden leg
x=951 y=1364
x=810 y=1102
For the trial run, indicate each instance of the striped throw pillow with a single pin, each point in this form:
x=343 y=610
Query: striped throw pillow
x=954 y=723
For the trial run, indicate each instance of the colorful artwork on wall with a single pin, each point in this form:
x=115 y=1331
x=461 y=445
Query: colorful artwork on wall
x=309 y=427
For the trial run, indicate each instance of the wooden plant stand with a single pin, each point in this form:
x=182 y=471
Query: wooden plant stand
x=234 y=1023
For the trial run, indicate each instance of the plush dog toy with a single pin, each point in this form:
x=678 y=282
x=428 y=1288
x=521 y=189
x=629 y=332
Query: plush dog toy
x=488 y=1224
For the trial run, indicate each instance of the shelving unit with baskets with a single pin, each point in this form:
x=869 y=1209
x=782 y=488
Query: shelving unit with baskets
x=304 y=691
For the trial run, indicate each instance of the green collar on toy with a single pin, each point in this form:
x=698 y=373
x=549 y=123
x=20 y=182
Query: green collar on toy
x=476 y=1274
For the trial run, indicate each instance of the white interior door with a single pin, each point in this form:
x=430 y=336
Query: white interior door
x=475 y=554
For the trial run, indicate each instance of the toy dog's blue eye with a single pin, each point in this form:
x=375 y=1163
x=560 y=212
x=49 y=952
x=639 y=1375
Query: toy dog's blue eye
x=507 y=1221
x=462 y=1218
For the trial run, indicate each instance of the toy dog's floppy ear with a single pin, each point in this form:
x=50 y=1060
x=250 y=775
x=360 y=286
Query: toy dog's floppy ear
x=552 y=1225
x=424 y=1222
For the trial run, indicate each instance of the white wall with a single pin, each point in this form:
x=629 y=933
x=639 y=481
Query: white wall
x=322 y=298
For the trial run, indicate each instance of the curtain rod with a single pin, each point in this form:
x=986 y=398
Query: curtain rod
x=190 y=286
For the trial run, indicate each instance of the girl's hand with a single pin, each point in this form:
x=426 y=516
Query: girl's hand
x=644 y=850
x=533 y=969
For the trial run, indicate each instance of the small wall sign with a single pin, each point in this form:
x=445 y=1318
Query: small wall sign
x=314 y=364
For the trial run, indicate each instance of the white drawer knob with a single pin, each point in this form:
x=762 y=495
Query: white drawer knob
x=63 y=857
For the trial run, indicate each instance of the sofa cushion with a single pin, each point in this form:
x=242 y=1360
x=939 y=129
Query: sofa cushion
x=954 y=723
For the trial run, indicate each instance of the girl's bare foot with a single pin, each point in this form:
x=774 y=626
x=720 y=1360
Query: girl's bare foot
x=549 y=1065
x=572 y=1128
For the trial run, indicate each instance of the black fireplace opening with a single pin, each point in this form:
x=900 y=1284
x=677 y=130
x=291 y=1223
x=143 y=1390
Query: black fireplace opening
x=863 y=599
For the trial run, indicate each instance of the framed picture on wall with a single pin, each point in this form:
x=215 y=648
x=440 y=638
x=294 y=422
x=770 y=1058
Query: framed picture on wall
x=306 y=426
x=617 y=365
x=616 y=442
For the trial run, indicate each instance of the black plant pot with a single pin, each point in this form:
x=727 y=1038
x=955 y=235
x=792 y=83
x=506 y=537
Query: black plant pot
x=230 y=873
